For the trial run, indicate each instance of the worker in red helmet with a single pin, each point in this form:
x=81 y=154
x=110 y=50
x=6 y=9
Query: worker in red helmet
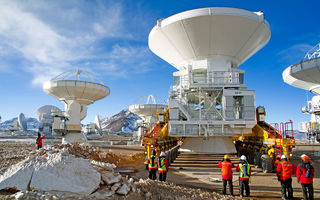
x=305 y=173
x=152 y=165
x=163 y=167
x=285 y=170
x=226 y=172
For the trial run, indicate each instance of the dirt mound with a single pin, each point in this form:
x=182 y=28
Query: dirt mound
x=93 y=153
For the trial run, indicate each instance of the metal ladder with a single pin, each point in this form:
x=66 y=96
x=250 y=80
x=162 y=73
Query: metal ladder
x=277 y=135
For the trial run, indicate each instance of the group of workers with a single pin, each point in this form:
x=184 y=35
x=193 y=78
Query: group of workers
x=160 y=164
x=244 y=170
x=285 y=171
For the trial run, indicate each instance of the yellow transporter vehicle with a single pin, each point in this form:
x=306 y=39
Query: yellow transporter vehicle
x=267 y=142
x=157 y=138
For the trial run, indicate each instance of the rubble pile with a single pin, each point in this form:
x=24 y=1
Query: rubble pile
x=94 y=153
x=77 y=171
x=69 y=170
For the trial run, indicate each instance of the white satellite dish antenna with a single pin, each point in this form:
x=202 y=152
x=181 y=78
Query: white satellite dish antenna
x=44 y=115
x=22 y=122
x=97 y=123
x=76 y=94
x=44 y=112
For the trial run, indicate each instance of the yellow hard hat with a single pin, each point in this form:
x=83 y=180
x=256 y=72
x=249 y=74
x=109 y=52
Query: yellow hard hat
x=226 y=156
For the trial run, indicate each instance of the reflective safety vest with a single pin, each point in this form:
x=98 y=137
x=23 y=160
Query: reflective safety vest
x=244 y=173
x=154 y=166
x=161 y=165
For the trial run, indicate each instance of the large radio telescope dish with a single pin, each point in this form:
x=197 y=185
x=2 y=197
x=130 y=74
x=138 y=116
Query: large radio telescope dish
x=305 y=74
x=46 y=111
x=148 y=110
x=64 y=87
x=216 y=33
x=76 y=94
x=22 y=122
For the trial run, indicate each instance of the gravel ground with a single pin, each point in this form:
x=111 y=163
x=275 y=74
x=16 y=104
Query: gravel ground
x=12 y=153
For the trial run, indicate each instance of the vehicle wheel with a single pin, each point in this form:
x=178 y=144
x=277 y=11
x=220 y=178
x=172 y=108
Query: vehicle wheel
x=266 y=163
x=257 y=159
x=251 y=157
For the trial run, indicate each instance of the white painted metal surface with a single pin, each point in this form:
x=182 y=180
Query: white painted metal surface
x=304 y=75
x=207 y=101
x=76 y=95
x=44 y=112
x=82 y=92
x=147 y=110
x=227 y=34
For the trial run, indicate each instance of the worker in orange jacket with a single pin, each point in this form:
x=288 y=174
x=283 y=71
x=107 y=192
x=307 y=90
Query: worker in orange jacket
x=226 y=172
x=152 y=166
x=285 y=170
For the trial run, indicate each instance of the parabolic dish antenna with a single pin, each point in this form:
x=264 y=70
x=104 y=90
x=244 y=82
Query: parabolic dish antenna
x=22 y=122
x=81 y=91
x=305 y=74
x=148 y=110
x=76 y=89
x=45 y=112
x=216 y=33
x=97 y=122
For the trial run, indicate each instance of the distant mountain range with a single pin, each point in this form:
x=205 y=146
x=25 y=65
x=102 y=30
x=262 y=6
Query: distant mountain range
x=121 y=123
x=32 y=123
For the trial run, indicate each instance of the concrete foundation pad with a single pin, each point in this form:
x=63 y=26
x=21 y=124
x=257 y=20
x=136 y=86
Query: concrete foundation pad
x=215 y=144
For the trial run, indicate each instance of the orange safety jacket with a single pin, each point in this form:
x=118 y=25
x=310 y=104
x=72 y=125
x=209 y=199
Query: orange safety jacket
x=285 y=170
x=226 y=169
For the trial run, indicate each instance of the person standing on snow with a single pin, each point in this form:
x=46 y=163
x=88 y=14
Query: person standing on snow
x=226 y=172
x=244 y=170
x=163 y=167
x=152 y=165
x=39 y=141
x=285 y=170
x=305 y=173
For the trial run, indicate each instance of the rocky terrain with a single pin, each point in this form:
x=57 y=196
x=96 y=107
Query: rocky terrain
x=53 y=165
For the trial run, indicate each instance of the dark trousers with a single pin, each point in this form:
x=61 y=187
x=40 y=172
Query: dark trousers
x=287 y=185
x=224 y=190
x=153 y=174
x=39 y=146
x=307 y=188
x=244 y=185
x=162 y=176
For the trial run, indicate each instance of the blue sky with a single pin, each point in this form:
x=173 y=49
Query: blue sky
x=41 y=39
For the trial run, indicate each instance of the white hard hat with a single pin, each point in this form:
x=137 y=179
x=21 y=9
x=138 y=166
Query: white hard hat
x=243 y=157
x=162 y=154
x=283 y=157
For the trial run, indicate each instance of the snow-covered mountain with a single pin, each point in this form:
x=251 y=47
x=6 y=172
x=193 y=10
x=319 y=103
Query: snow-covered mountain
x=32 y=123
x=122 y=123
